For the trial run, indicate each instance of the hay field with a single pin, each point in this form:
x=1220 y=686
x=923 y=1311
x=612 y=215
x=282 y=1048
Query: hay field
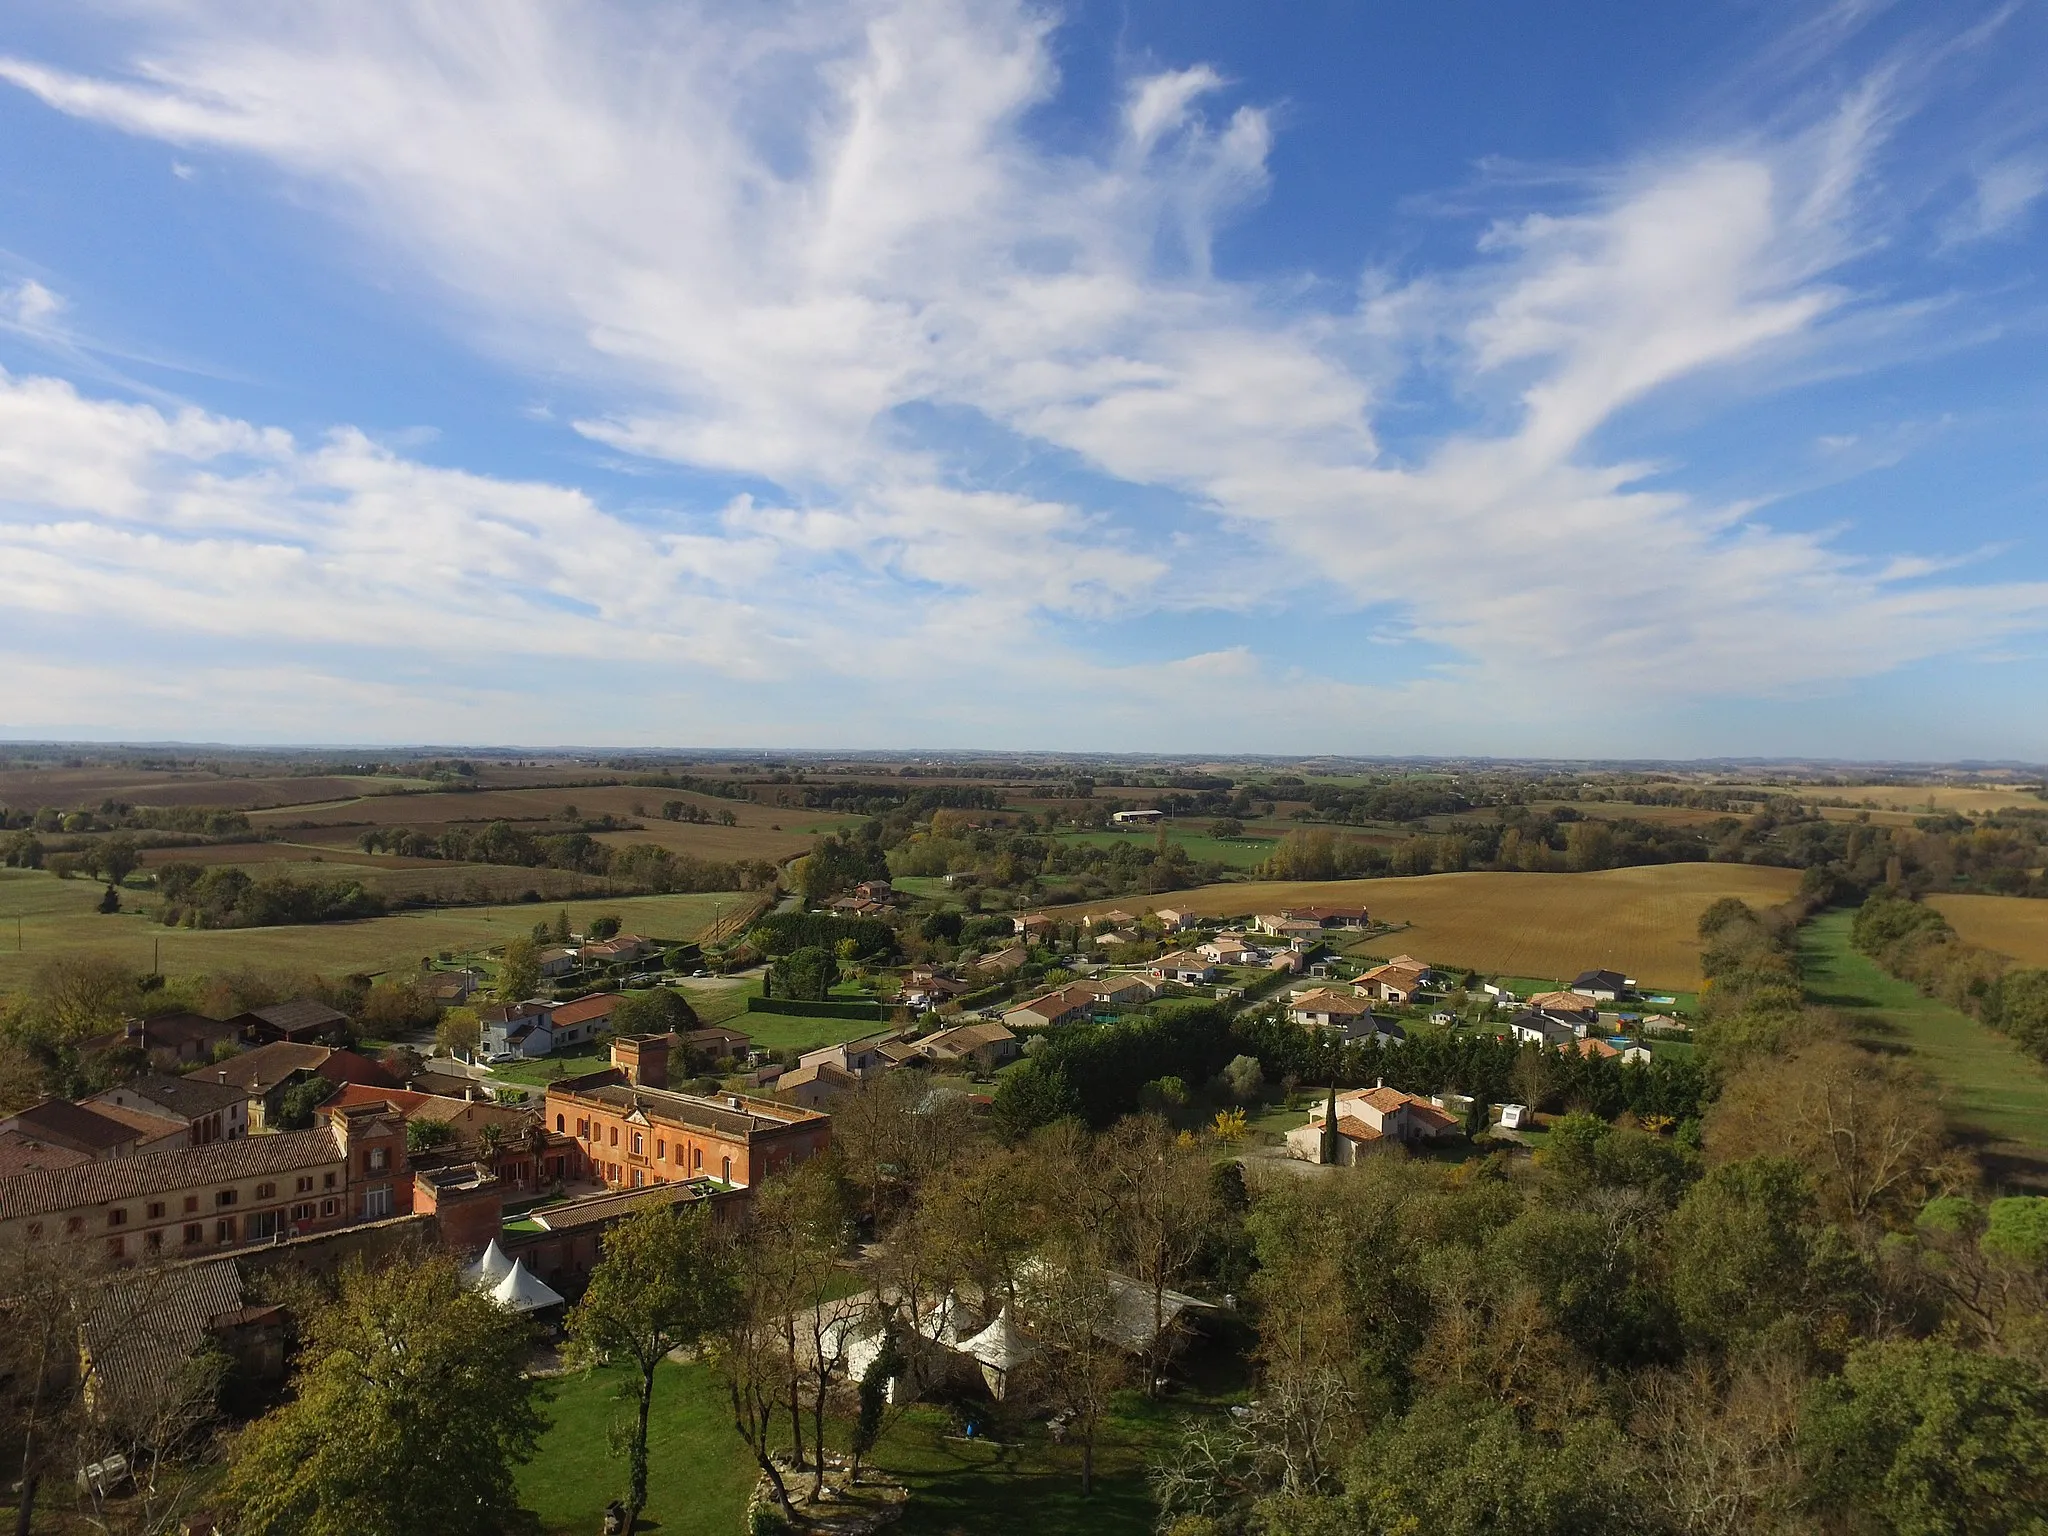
x=2012 y=925
x=1640 y=921
x=56 y=917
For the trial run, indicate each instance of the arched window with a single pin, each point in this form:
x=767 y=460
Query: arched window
x=560 y=1121
x=725 y=1171
x=615 y=1135
x=639 y=1144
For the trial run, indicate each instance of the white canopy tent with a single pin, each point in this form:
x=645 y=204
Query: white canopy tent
x=524 y=1291
x=490 y=1267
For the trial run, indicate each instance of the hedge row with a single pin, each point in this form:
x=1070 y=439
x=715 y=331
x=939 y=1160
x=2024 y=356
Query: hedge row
x=839 y=1009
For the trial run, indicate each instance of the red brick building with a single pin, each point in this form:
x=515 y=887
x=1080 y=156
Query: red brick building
x=631 y=1131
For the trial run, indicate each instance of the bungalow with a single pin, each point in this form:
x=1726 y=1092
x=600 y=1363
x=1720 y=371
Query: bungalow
x=1533 y=1028
x=1183 y=965
x=1120 y=989
x=986 y=1046
x=557 y=961
x=1117 y=936
x=1005 y=960
x=1032 y=925
x=578 y=1022
x=859 y=1058
x=1229 y=951
x=1568 y=1008
x=1328 y=917
x=1369 y=1115
x=814 y=1086
x=1390 y=984
x=1050 y=1010
x=627 y=946
x=1173 y=919
x=1604 y=986
x=1109 y=920
x=1323 y=1008
x=1288 y=960
x=929 y=989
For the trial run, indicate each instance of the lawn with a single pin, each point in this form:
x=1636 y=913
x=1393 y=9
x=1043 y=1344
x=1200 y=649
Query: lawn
x=1989 y=1086
x=700 y=1473
x=801 y=1032
x=1642 y=921
x=56 y=917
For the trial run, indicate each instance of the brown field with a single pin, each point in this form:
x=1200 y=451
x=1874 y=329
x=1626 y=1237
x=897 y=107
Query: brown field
x=71 y=788
x=56 y=917
x=2012 y=925
x=1969 y=799
x=1639 y=921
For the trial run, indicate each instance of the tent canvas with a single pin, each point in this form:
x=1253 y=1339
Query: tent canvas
x=524 y=1291
x=490 y=1267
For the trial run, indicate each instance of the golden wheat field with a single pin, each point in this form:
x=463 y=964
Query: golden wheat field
x=2012 y=925
x=1968 y=799
x=1642 y=922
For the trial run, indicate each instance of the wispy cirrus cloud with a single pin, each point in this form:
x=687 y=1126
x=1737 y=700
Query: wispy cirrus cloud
x=797 y=244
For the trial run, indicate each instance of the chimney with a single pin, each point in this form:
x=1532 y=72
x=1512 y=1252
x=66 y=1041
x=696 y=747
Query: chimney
x=223 y=1074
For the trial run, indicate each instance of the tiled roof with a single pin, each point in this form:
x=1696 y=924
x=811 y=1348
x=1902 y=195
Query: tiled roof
x=155 y=1173
x=1355 y=1129
x=257 y=1072
x=600 y=1208
x=24 y=1154
x=144 y=1326
x=685 y=1109
x=69 y=1124
x=140 y=1121
x=300 y=1013
x=598 y=1005
x=192 y=1097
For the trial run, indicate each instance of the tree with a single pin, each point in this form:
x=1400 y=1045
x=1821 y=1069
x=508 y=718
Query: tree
x=118 y=858
x=606 y=927
x=1245 y=1078
x=459 y=1033
x=1070 y=1309
x=808 y=973
x=560 y=933
x=1924 y=1439
x=1738 y=1247
x=299 y=1103
x=1165 y=1204
x=110 y=901
x=412 y=1405
x=660 y=1012
x=518 y=970
x=664 y=1281
x=1228 y=826
x=426 y=1135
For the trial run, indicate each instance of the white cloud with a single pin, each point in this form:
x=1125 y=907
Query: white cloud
x=764 y=240
x=2004 y=194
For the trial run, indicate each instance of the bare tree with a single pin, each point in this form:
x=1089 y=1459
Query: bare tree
x=1068 y=1305
x=1723 y=1455
x=1165 y=1206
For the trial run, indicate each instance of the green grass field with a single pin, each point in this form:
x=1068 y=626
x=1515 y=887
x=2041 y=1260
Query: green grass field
x=1244 y=853
x=42 y=916
x=1989 y=1086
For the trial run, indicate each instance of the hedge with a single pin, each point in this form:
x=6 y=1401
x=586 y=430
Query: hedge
x=802 y=1007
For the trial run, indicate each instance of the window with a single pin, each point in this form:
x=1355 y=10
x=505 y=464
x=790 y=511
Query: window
x=153 y=1241
x=697 y=1158
x=639 y=1178
x=639 y=1144
x=118 y=1217
x=191 y=1204
x=261 y=1226
x=224 y=1230
x=223 y=1198
x=725 y=1171
x=560 y=1121
x=303 y=1212
x=377 y=1159
x=661 y=1151
x=266 y=1191
x=328 y=1207
x=377 y=1202
x=612 y=1172
x=305 y=1183
x=156 y=1210
x=583 y=1129
x=615 y=1135
x=327 y=1182
x=194 y=1232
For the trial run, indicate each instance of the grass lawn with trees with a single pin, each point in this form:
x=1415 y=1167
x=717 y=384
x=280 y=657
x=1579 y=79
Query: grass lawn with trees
x=1991 y=1086
x=699 y=1473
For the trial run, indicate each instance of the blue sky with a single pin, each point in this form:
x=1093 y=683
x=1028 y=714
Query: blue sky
x=1596 y=380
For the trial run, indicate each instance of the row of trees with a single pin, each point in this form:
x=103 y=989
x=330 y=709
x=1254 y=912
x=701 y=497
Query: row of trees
x=1915 y=942
x=645 y=866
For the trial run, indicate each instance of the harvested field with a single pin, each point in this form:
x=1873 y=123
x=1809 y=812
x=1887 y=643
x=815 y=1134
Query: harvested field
x=2012 y=925
x=1640 y=921
x=57 y=917
x=1920 y=799
x=71 y=788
